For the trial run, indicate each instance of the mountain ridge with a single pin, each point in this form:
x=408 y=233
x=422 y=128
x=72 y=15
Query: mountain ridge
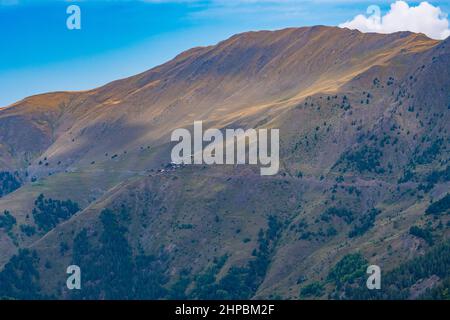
x=364 y=150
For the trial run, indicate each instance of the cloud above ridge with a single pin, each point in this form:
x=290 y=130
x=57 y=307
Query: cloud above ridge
x=423 y=18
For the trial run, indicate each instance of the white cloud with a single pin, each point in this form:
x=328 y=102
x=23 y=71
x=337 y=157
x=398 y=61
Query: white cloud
x=424 y=18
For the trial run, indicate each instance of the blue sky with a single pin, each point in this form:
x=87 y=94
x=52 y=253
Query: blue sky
x=121 y=38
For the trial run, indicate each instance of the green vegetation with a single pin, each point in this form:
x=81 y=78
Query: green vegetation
x=364 y=159
x=430 y=154
x=424 y=234
x=439 y=176
x=9 y=182
x=112 y=271
x=7 y=221
x=243 y=282
x=364 y=223
x=439 y=207
x=345 y=214
x=178 y=290
x=314 y=289
x=48 y=213
x=19 y=278
x=408 y=175
x=390 y=81
x=345 y=105
x=27 y=230
x=398 y=283
x=348 y=269
x=441 y=292
x=436 y=177
x=240 y=282
x=331 y=232
x=206 y=286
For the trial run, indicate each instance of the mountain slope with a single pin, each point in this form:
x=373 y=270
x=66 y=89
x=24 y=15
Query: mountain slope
x=241 y=77
x=363 y=120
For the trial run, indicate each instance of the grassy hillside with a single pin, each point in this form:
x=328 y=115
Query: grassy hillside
x=364 y=179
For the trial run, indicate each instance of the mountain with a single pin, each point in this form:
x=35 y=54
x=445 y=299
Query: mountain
x=364 y=174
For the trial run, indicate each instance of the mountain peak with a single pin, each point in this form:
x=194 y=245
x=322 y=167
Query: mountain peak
x=240 y=76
